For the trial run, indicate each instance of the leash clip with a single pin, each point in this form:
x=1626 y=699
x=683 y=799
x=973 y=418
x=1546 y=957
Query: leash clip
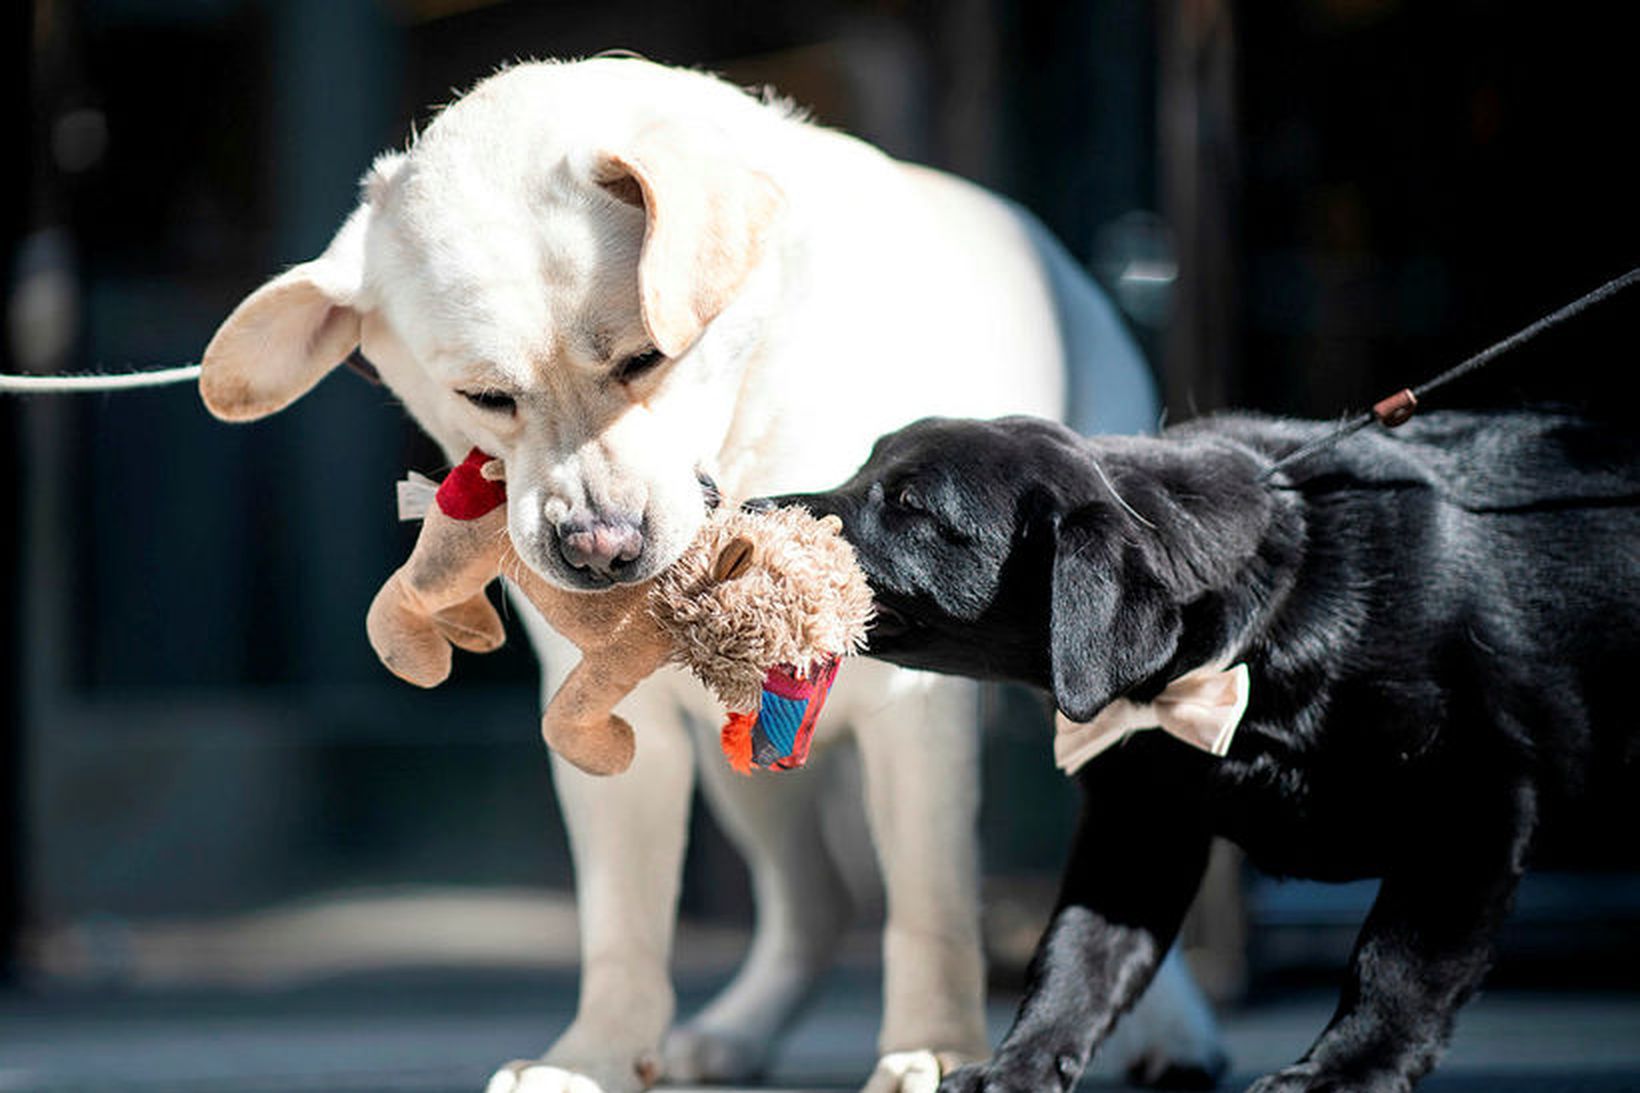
x=1395 y=410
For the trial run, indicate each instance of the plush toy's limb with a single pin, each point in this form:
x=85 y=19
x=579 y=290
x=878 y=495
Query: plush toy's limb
x=437 y=597
x=404 y=636
x=580 y=723
x=472 y=625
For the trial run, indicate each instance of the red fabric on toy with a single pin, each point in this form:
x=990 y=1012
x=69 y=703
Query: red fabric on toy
x=465 y=494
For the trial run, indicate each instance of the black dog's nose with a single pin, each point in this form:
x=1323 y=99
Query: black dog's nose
x=603 y=546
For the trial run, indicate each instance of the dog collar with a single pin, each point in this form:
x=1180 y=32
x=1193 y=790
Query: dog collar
x=1202 y=708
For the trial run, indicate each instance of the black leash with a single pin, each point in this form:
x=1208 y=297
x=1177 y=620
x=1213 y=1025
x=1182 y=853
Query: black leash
x=1398 y=408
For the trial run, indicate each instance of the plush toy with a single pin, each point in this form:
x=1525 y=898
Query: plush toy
x=761 y=607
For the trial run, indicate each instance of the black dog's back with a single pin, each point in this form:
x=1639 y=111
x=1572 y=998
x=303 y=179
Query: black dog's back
x=1506 y=546
x=1535 y=511
x=1482 y=461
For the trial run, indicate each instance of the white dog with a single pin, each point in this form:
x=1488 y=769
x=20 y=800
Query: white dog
x=619 y=277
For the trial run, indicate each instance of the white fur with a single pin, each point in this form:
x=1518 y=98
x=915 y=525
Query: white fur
x=490 y=256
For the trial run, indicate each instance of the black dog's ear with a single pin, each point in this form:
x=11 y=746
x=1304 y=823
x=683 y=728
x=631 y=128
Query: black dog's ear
x=1113 y=621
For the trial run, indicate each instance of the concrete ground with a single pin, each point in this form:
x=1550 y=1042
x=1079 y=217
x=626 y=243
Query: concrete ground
x=439 y=1033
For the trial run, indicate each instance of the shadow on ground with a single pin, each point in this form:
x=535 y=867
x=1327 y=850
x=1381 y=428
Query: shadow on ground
x=426 y=1033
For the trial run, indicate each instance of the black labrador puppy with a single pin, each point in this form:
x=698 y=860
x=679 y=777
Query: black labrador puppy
x=1436 y=624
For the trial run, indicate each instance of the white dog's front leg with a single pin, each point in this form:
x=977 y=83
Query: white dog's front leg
x=627 y=835
x=920 y=757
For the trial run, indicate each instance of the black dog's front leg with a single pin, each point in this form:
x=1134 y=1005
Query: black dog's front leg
x=1136 y=862
x=1423 y=950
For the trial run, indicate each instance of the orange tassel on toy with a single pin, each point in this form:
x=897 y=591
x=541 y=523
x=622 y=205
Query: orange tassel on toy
x=737 y=741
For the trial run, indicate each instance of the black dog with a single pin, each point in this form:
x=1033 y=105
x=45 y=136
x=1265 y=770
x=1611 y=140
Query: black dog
x=1438 y=626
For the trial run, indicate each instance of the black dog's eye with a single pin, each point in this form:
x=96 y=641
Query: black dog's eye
x=496 y=402
x=638 y=364
x=909 y=505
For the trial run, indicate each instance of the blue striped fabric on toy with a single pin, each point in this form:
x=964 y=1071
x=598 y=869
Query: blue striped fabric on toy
x=778 y=720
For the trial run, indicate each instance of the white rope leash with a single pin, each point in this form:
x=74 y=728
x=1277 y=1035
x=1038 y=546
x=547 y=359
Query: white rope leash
x=123 y=381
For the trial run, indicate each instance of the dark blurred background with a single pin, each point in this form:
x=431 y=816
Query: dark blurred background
x=1300 y=205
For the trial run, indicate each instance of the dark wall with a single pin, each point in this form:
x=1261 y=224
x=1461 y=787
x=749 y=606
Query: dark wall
x=16 y=90
x=1421 y=180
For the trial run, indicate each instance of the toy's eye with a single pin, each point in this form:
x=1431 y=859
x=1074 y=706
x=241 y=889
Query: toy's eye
x=496 y=402
x=639 y=364
x=734 y=559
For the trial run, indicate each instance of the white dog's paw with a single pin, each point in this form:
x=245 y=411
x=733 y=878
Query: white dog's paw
x=527 y=1076
x=912 y=1071
x=536 y=1076
x=695 y=1054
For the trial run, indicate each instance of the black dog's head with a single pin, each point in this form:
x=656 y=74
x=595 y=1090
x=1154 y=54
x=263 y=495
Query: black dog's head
x=1016 y=549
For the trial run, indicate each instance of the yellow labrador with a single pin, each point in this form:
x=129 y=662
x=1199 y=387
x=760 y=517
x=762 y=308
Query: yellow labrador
x=618 y=276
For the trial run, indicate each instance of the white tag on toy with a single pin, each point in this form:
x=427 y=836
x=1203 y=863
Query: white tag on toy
x=1202 y=708
x=415 y=492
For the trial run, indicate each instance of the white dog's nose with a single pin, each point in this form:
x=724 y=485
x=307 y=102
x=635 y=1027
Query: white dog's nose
x=603 y=546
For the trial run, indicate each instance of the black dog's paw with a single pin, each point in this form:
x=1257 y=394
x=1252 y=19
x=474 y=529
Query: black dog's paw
x=967 y=1079
x=1299 y=1078
x=985 y=1079
x=1059 y=1072
x=1309 y=1078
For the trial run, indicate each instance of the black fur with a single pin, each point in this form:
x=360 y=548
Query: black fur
x=1440 y=625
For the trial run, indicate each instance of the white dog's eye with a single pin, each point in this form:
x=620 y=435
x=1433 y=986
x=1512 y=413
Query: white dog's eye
x=638 y=364
x=496 y=402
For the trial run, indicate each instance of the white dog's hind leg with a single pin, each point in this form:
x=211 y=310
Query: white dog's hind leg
x=802 y=907
x=627 y=835
x=1170 y=1037
x=920 y=756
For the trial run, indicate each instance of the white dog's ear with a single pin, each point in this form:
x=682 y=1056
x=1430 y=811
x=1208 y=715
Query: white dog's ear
x=707 y=220
x=284 y=337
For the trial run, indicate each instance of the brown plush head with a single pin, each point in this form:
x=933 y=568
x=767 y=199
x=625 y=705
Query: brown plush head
x=757 y=590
